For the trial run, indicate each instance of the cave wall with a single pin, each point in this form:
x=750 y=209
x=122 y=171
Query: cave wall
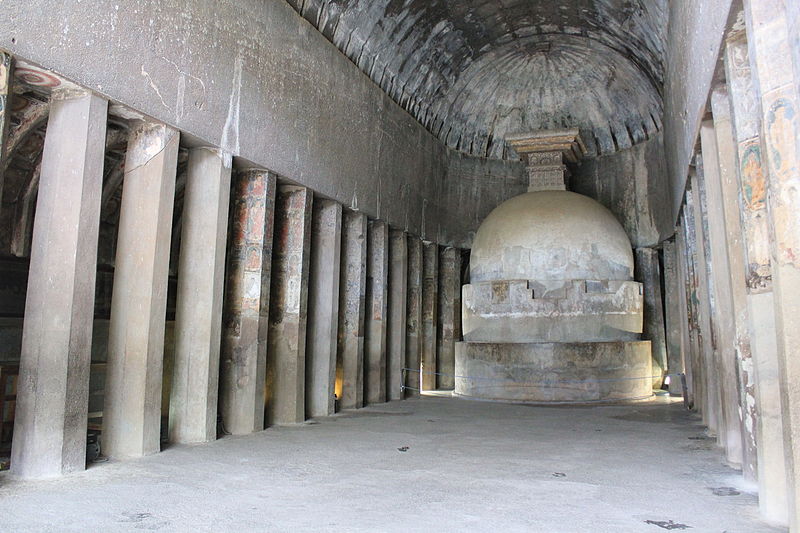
x=633 y=184
x=253 y=78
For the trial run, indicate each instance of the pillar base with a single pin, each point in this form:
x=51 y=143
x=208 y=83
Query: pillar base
x=554 y=373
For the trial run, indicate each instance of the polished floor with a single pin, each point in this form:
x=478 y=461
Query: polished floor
x=435 y=464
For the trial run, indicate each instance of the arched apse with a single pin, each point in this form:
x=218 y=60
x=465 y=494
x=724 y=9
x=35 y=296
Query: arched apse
x=474 y=71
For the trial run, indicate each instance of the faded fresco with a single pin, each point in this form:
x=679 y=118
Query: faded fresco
x=781 y=136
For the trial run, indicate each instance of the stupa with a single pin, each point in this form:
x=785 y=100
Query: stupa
x=552 y=313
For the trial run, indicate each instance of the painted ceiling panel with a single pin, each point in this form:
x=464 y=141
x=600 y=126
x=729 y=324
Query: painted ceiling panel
x=474 y=71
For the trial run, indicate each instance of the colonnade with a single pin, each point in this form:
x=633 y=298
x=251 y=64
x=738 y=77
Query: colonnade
x=732 y=270
x=287 y=303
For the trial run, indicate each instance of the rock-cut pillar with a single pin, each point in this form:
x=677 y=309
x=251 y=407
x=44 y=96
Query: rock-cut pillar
x=198 y=317
x=243 y=354
x=323 y=307
x=745 y=191
x=724 y=311
x=396 y=314
x=132 y=408
x=744 y=370
x=694 y=387
x=712 y=413
x=674 y=320
x=449 y=316
x=286 y=356
x=430 y=312
x=648 y=273
x=375 y=312
x=352 y=288
x=772 y=29
x=695 y=291
x=53 y=387
x=413 y=360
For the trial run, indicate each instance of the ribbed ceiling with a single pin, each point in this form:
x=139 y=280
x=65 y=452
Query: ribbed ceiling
x=474 y=71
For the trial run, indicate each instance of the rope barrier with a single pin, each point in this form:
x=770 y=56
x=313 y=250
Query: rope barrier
x=549 y=383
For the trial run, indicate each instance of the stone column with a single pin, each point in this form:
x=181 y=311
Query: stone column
x=648 y=273
x=396 y=314
x=352 y=287
x=693 y=290
x=430 y=313
x=132 y=408
x=53 y=387
x=286 y=359
x=690 y=363
x=6 y=77
x=771 y=34
x=708 y=319
x=323 y=307
x=449 y=316
x=723 y=307
x=413 y=360
x=243 y=357
x=198 y=316
x=733 y=241
x=674 y=320
x=756 y=337
x=376 y=307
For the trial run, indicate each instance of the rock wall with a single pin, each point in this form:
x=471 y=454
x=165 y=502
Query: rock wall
x=634 y=185
x=694 y=37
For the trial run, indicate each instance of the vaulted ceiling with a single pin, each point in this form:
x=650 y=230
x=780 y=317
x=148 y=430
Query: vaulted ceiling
x=474 y=71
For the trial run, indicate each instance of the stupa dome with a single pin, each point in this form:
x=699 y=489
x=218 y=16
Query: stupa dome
x=551 y=235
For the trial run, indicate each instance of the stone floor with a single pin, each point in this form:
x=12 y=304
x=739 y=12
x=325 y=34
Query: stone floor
x=436 y=464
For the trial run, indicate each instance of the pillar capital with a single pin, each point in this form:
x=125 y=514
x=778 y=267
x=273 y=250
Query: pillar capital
x=545 y=153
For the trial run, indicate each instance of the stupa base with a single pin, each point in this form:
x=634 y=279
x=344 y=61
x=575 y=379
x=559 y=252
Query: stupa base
x=581 y=372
